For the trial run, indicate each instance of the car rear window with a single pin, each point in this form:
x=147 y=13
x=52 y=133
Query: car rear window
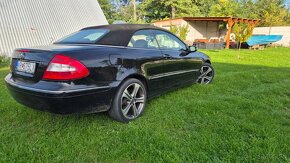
x=88 y=36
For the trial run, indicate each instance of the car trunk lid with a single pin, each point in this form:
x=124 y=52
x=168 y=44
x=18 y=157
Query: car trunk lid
x=40 y=57
x=30 y=64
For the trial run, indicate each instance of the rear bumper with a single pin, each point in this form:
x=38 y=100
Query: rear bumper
x=61 y=98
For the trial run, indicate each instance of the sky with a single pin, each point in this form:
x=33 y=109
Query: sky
x=287 y=3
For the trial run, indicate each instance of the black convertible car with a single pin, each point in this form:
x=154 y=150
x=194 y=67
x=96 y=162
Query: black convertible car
x=113 y=68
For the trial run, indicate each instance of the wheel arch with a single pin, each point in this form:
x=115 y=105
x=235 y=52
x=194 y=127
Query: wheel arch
x=207 y=61
x=139 y=77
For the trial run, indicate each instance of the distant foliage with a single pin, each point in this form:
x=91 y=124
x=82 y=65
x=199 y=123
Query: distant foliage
x=160 y=9
x=242 y=32
x=183 y=31
x=271 y=12
x=119 y=11
x=174 y=29
x=180 y=31
x=4 y=58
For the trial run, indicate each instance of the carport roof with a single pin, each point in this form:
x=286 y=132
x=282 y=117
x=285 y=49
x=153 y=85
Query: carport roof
x=235 y=19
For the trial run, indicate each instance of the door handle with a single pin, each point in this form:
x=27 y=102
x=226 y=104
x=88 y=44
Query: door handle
x=167 y=56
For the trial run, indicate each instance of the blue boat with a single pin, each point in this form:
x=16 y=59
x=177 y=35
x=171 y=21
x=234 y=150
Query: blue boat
x=263 y=39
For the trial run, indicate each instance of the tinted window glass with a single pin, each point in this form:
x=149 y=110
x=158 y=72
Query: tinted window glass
x=88 y=36
x=168 y=41
x=143 y=39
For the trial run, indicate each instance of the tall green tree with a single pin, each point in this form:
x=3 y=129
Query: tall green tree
x=161 y=9
x=273 y=12
x=204 y=6
x=129 y=14
x=154 y=10
x=110 y=13
x=249 y=9
x=181 y=8
x=226 y=8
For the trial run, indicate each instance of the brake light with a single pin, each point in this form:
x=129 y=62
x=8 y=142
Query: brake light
x=65 y=68
x=23 y=51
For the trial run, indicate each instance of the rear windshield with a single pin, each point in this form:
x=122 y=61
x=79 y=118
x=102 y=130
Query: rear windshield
x=88 y=36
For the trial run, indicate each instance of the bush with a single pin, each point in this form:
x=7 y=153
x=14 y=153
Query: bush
x=4 y=58
x=183 y=31
x=174 y=30
x=180 y=31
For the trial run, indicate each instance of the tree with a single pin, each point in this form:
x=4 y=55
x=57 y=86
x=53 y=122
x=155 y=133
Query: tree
x=110 y=13
x=129 y=14
x=204 y=6
x=178 y=7
x=249 y=9
x=242 y=33
x=156 y=10
x=226 y=8
x=272 y=12
x=180 y=31
x=134 y=10
x=115 y=10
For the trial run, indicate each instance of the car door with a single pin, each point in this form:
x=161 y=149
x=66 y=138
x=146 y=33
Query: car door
x=178 y=66
x=143 y=49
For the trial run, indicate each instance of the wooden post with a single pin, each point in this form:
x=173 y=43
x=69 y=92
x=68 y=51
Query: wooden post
x=228 y=37
x=173 y=10
x=134 y=10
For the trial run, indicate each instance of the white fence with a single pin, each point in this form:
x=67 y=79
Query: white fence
x=280 y=30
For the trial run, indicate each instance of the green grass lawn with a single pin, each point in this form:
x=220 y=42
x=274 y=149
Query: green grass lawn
x=244 y=115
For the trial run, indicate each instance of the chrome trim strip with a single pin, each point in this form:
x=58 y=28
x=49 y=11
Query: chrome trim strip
x=123 y=47
x=109 y=46
x=142 y=48
x=99 y=45
x=53 y=92
x=171 y=73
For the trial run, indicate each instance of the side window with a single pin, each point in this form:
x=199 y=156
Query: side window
x=143 y=39
x=169 y=41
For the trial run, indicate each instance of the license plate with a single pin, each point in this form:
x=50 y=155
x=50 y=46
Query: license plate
x=26 y=67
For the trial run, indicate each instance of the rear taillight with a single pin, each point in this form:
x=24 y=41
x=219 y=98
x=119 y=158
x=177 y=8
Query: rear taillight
x=23 y=51
x=65 y=68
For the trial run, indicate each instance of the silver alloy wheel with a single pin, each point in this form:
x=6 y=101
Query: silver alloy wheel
x=206 y=75
x=132 y=101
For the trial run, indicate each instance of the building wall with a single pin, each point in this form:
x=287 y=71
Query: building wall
x=197 y=29
x=281 y=30
x=27 y=23
x=205 y=30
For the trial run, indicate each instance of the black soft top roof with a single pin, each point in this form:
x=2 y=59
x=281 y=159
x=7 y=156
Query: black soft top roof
x=120 y=34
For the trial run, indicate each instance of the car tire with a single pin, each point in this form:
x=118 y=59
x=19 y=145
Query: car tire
x=129 y=101
x=206 y=75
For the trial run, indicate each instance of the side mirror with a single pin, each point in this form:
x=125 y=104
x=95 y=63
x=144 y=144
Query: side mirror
x=192 y=48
